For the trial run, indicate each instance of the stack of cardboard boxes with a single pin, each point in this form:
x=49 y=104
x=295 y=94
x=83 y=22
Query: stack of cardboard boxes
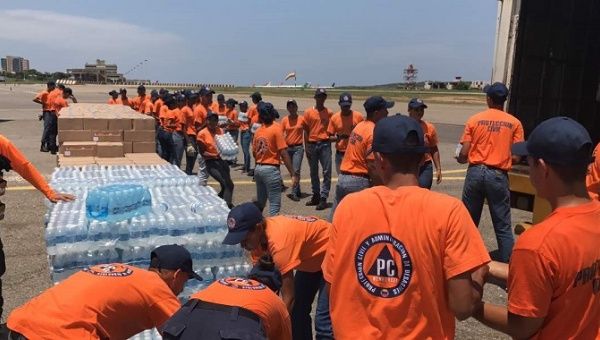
x=105 y=134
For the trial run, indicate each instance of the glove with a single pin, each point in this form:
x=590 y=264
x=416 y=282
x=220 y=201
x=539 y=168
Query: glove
x=40 y=116
x=190 y=151
x=4 y=164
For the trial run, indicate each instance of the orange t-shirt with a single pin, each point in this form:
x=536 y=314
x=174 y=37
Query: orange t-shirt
x=112 y=101
x=188 y=116
x=593 y=177
x=343 y=125
x=315 y=124
x=296 y=242
x=255 y=297
x=24 y=168
x=492 y=134
x=359 y=149
x=207 y=139
x=137 y=103
x=43 y=97
x=267 y=144
x=243 y=120
x=177 y=120
x=554 y=273
x=293 y=129
x=201 y=112
x=430 y=137
x=393 y=260
x=126 y=102
x=57 y=104
x=112 y=301
x=168 y=118
x=253 y=111
x=148 y=108
x=232 y=115
x=158 y=104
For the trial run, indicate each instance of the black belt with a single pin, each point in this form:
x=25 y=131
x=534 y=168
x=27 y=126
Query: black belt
x=295 y=145
x=320 y=141
x=353 y=174
x=340 y=152
x=487 y=166
x=227 y=309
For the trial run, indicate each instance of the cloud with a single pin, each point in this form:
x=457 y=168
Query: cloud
x=80 y=39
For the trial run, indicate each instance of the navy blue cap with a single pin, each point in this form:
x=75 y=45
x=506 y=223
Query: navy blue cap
x=392 y=133
x=345 y=99
x=377 y=103
x=212 y=114
x=204 y=90
x=221 y=97
x=558 y=140
x=496 y=90
x=416 y=103
x=243 y=102
x=256 y=95
x=141 y=88
x=290 y=102
x=267 y=110
x=320 y=92
x=173 y=257
x=51 y=83
x=154 y=93
x=231 y=101
x=240 y=221
x=113 y=92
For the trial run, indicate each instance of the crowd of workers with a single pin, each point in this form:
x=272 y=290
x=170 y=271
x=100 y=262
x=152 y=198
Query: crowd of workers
x=406 y=267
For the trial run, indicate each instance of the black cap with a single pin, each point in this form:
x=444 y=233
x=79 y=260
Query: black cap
x=153 y=93
x=290 y=102
x=320 y=92
x=416 y=103
x=231 y=101
x=141 y=88
x=51 y=83
x=266 y=111
x=243 y=102
x=497 y=91
x=558 y=140
x=205 y=90
x=173 y=257
x=345 y=99
x=392 y=133
x=240 y=221
x=180 y=98
x=112 y=92
x=123 y=90
x=211 y=115
x=377 y=103
x=163 y=90
x=221 y=97
x=256 y=96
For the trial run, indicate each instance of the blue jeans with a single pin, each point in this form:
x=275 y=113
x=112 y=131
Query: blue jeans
x=50 y=130
x=158 y=145
x=166 y=144
x=339 y=157
x=202 y=171
x=426 y=175
x=46 y=130
x=296 y=155
x=306 y=287
x=320 y=152
x=483 y=183
x=268 y=185
x=178 y=149
x=245 y=140
x=348 y=184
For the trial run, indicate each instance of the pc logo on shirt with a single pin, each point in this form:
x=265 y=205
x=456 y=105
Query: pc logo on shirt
x=109 y=270
x=383 y=266
x=241 y=283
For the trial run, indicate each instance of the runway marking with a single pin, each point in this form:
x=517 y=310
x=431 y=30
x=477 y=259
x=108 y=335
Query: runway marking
x=243 y=182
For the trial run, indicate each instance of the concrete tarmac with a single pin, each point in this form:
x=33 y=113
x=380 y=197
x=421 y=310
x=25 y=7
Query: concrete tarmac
x=22 y=230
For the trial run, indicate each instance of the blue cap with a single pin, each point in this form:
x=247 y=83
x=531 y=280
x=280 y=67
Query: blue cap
x=256 y=96
x=173 y=257
x=320 y=92
x=496 y=90
x=558 y=140
x=240 y=221
x=377 y=103
x=205 y=90
x=221 y=97
x=267 y=110
x=391 y=134
x=345 y=99
x=416 y=103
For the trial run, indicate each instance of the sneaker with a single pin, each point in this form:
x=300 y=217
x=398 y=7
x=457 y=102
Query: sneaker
x=53 y=151
x=43 y=148
x=322 y=204
x=313 y=201
x=251 y=173
x=293 y=197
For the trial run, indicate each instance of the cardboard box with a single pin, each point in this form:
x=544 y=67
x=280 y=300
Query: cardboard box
x=127 y=148
x=74 y=136
x=113 y=161
x=119 y=124
x=75 y=161
x=78 y=149
x=147 y=123
x=70 y=123
x=144 y=147
x=107 y=136
x=95 y=124
x=139 y=136
x=109 y=150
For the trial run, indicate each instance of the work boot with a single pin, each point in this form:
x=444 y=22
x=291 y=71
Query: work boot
x=293 y=197
x=322 y=204
x=313 y=201
x=43 y=148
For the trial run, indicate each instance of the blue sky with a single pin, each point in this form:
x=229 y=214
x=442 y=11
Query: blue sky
x=249 y=42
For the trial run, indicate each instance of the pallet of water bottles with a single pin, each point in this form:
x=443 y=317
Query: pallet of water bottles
x=151 y=206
